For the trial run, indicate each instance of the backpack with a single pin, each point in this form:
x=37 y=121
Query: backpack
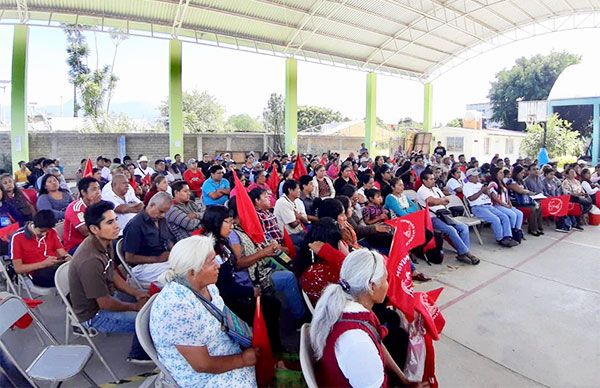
x=436 y=255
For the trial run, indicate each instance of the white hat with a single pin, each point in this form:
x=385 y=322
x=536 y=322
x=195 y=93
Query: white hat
x=472 y=172
x=143 y=158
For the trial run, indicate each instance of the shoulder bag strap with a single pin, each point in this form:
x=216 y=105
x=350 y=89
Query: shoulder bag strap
x=366 y=324
x=214 y=310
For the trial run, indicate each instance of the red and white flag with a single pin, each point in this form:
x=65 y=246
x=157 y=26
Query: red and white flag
x=555 y=206
x=400 y=290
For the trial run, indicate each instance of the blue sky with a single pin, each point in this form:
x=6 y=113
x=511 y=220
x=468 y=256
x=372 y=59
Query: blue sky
x=243 y=81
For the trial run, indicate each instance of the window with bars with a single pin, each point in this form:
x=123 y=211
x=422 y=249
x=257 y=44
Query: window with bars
x=455 y=144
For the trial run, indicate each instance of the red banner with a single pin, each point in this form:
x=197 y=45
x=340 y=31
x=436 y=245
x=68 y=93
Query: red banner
x=400 y=290
x=247 y=214
x=433 y=319
x=575 y=209
x=265 y=367
x=299 y=168
x=555 y=206
x=273 y=181
x=410 y=229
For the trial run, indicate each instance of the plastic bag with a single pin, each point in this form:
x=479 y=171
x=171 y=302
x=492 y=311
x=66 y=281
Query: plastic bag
x=415 y=357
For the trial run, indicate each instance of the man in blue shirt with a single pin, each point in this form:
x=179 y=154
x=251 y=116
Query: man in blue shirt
x=215 y=190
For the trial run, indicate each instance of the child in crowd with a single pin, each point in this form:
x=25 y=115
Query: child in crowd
x=374 y=211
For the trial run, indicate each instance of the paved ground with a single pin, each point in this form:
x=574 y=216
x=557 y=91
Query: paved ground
x=524 y=317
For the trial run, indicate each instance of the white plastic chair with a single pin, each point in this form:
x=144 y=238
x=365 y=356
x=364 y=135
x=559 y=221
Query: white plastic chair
x=411 y=194
x=121 y=256
x=306 y=357
x=142 y=330
x=61 y=279
x=60 y=227
x=55 y=363
x=467 y=219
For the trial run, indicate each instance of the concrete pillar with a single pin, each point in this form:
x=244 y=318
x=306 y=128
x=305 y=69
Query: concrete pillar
x=175 y=99
x=371 y=112
x=291 y=105
x=19 y=140
x=265 y=144
x=199 y=146
x=596 y=134
x=228 y=141
x=428 y=108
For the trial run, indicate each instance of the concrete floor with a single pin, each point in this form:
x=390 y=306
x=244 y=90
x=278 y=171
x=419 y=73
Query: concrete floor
x=524 y=317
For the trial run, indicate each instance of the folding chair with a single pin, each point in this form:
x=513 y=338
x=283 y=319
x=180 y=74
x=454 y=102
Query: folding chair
x=468 y=219
x=60 y=227
x=55 y=363
x=142 y=330
x=306 y=357
x=309 y=304
x=10 y=285
x=121 y=256
x=61 y=279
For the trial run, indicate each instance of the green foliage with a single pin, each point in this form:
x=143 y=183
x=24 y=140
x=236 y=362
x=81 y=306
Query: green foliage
x=456 y=123
x=529 y=79
x=95 y=87
x=561 y=140
x=77 y=52
x=244 y=123
x=274 y=118
x=313 y=116
x=201 y=112
x=408 y=122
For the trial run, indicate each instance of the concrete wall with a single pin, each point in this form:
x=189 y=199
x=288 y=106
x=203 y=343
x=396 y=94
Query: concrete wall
x=71 y=147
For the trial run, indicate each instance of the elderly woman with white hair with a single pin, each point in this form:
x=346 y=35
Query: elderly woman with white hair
x=345 y=334
x=189 y=340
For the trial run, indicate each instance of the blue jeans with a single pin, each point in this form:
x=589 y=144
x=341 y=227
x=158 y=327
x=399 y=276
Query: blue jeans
x=515 y=216
x=118 y=322
x=285 y=282
x=499 y=221
x=458 y=234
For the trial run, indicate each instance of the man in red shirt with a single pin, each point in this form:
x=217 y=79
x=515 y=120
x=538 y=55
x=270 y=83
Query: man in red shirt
x=194 y=177
x=75 y=230
x=36 y=249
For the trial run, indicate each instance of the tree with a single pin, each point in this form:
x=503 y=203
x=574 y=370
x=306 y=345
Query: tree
x=313 y=116
x=117 y=37
x=95 y=87
x=77 y=53
x=529 y=79
x=244 y=123
x=201 y=112
x=456 y=123
x=273 y=119
x=561 y=139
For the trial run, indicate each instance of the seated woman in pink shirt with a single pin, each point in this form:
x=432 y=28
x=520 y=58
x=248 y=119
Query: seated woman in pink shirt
x=260 y=181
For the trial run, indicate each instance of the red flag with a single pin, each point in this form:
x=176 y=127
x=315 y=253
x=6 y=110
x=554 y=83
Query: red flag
x=429 y=226
x=26 y=319
x=299 y=168
x=146 y=180
x=411 y=228
x=89 y=167
x=400 y=290
x=597 y=196
x=424 y=304
x=273 y=181
x=265 y=366
x=8 y=231
x=575 y=209
x=154 y=289
x=248 y=217
x=555 y=206
x=429 y=371
x=289 y=244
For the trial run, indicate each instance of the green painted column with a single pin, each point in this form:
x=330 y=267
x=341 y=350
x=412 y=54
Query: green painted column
x=428 y=109
x=291 y=105
x=371 y=112
x=175 y=100
x=19 y=139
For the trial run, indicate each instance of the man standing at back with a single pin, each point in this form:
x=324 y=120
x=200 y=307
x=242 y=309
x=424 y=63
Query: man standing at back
x=93 y=281
x=75 y=230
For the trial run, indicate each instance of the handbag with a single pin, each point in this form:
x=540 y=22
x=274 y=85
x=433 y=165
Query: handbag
x=231 y=324
x=445 y=215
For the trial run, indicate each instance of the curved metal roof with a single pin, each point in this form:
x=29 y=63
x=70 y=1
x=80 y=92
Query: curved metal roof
x=418 y=39
x=578 y=81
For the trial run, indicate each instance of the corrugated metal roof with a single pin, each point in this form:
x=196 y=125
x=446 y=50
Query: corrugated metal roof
x=419 y=39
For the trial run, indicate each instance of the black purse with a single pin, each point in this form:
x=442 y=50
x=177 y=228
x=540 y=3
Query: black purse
x=445 y=216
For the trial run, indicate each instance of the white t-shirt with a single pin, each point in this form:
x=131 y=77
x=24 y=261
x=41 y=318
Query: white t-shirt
x=122 y=218
x=452 y=185
x=471 y=188
x=148 y=171
x=285 y=212
x=105 y=172
x=425 y=193
x=357 y=355
x=588 y=188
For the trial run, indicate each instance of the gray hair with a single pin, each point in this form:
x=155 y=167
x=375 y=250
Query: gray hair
x=161 y=198
x=189 y=253
x=360 y=269
x=118 y=177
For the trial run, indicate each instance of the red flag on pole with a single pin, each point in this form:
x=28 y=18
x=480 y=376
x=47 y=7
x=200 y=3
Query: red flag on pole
x=146 y=180
x=411 y=228
x=289 y=244
x=400 y=290
x=424 y=303
x=555 y=206
x=265 y=366
x=248 y=217
x=299 y=168
x=273 y=181
x=89 y=167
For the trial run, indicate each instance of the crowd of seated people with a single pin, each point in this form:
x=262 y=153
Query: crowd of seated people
x=181 y=230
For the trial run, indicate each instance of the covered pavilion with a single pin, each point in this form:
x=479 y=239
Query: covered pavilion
x=414 y=39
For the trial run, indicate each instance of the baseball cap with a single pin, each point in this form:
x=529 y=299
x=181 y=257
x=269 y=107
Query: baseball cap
x=190 y=161
x=167 y=160
x=472 y=172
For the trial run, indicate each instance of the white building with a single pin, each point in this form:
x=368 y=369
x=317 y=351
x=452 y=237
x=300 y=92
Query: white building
x=481 y=143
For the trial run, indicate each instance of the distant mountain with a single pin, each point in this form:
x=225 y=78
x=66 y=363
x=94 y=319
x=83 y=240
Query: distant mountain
x=133 y=109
